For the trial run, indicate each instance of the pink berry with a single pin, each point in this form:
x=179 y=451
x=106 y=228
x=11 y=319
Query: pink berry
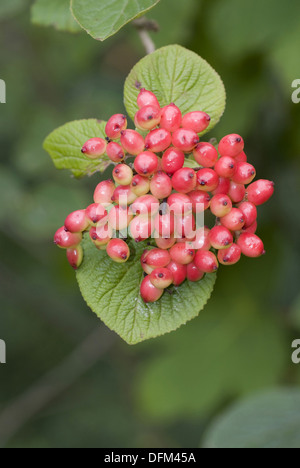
x=185 y=226
x=171 y=118
x=225 y=167
x=75 y=257
x=260 y=192
x=220 y=237
x=115 y=125
x=237 y=192
x=234 y=221
x=146 y=164
x=104 y=192
x=165 y=243
x=77 y=221
x=164 y=225
x=118 y=250
x=122 y=174
x=132 y=142
x=244 y=173
x=185 y=140
x=147 y=98
x=223 y=187
x=220 y=205
x=241 y=157
x=193 y=273
x=184 y=180
x=147 y=269
x=96 y=213
x=180 y=204
x=231 y=145
x=67 y=240
x=251 y=229
x=123 y=195
x=251 y=245
x=207 y=179
x=181 y=253
x=156 y=258
x=161 y=185
x=197 y=121
x=115 y=152
x=205 y=154
x=147 y=118
x=179 y=272
x=161 y=278
x=249 y=211
x=119 y=217
x=101 y=235
x=141 y=228
x=150 y=293
x=158 y=140
x=230 y=256
x=140 y=185
x=172 y=160
x=147 y=205
x=200 y=201
x=94 y=148
x=206 y=261
x=201 y=240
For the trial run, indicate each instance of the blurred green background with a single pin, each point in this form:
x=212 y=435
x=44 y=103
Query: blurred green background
x=165 y=392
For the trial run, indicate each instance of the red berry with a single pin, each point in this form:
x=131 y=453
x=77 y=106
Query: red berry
x=141 y=228
x=147 y=269
x=75 y=257
x=230 y=256
x=147 y=205
x=181 y=253
x=119 y=217
x=184 y=180
x=104 y=192
x=161 y=278
x=200 y=201
x=193 y=273
x=220 y=237
x=164 y=225
x=147 y=118
x=122 y=174
x=123 y=195
x=172 y=160
x=241 y=157
x=165 y=243
x=207 y=179
x=205 y=154
x=185 y=226
x=251 y=229
x=180 y=204
x=158 y=140
x=150 y=293
x=77 y=221
x=146 y=163
x=67 y=240
x=234 y=221
x=147 y=98
x=115 y=152
x=244 y=173
x=94 y=148
x=206 y=261
x=231 y=145
x=96 y=213
x=101 y=235
x=249 y=211
x=223 y=187
x=197 y=121
x=251 y=245
x=220 y=205
x=156 y=258
x=171 y=118
x=185 y=139
x=115 y=125
x=225 y=167
x=132 y=142
x=201 y=240
x=140 y=185
x=237 y=192
x=260 y=192
x=179 y=272
x=118 y=250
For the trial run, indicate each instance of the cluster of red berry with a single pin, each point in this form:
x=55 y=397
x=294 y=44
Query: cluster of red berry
x=158 y=197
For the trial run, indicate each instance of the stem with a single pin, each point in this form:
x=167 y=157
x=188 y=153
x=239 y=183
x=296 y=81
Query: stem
x=143 y=26
x=146 y=41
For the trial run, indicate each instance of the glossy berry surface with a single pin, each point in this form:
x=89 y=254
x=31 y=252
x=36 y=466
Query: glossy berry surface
x=96 y=213
x=158 y=140
x=115 y=125
x=185 y=139
x=205 y=154
x=161 y=278
x=172 y=160
x=184 y=180
x=161 y=185
x=206 y=261
x=149 y=292
x=178 y=271
x=171 y=118
x=220 y=205
x=231 y=145
x=147 y=118
x=225 y=167
x=220 y=237
x=75 y=257
x=94 y=148
x=118 y=250
x=132 y=142
x=122 y=174
x=207 y=179
x=147 y=98
x=181 y=253
x=251 y=245
x=77 y=221
x=230 y=256
x=115 y=152
x=67 y=240
x=197 y=121
x=146 y=163
x=260 y=192
x=234 y=221
x=193 y=273
x=104 y=191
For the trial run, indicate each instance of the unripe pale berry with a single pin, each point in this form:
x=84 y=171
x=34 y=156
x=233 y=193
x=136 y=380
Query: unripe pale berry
x=96 y=213
x=161 y=185
x=146 y=163
x=244 y=173
x=172 y=160
x=225 y=167
x=223 y=187
x=161 y=278
x=118 y=250
x=208 y=179
x=104 y=192
x=231 y=145
x=115 y=125
x=220 y=205
x=119 y=217
x=132 y=142
x=115 y=152
x=67 y=240
x=260 y=191
x=197 y=121
x=230 y=256
x=206 y=261
x=185 y=226
x=200 y=201
x=147 y=118
x=123 y=195
x=184 y=180
x=179 y=272
x=237 y=192
x=181 y=253
x=185 y=139
x=77 y=221
x=158 y=140
x=171 y=118
x=251 y=229
x=164 y=225
x=140 y=185
x=251 y=245
x=141 y=228
x=101 y=235
x=147 y=205
x=157 y=258
x=165 y=243
x=75 y=257
x=205 y=154
x=94 y=148
x=193 y=273
x=242 y=157
x=234 y=221
x=147 y=98
x=180 y=204
x=220 y=237
x=122 y=174
x=150 y=293
x=249 y=211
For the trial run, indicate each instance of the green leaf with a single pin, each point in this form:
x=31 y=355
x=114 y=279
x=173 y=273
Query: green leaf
x=268 y=420
x=64 y=146
x=55 y=13
x=102 y=19
x=177 y=75
x=112 y=291
x=8 y=9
